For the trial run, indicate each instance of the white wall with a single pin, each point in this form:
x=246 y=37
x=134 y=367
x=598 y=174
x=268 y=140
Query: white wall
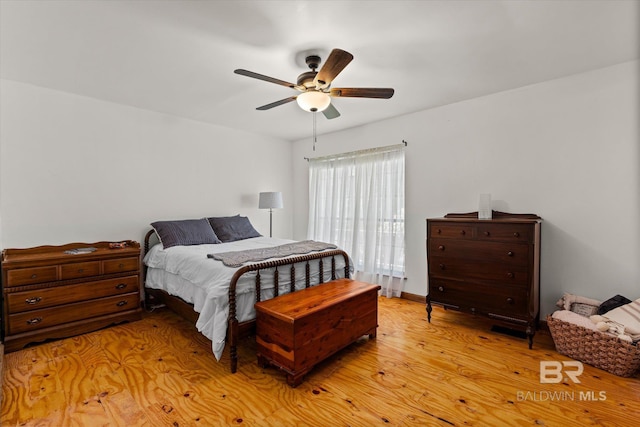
x=567 y=150
x=76 y=169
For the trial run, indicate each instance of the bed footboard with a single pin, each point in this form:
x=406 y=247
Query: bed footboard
x=234 y=327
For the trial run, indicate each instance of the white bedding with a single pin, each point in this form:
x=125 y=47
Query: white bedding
x=186 y=272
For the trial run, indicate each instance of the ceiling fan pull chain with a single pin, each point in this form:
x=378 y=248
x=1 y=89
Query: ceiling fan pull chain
x=315 y=135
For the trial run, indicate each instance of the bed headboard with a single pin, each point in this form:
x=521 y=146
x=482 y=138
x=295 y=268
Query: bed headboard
x=150 y=239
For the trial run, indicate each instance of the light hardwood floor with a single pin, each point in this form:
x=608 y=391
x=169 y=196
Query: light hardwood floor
x=452 y=372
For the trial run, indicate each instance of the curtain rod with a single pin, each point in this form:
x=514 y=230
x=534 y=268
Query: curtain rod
x=352 y=153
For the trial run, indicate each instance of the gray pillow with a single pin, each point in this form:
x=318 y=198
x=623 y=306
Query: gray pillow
x=185 y=232
x=232 y=228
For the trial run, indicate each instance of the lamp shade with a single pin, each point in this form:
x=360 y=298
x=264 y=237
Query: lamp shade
x=270 y=200
x=313 y=101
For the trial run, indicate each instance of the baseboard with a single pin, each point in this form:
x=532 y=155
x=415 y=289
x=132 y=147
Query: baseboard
x=543 y=326
x=413 y=297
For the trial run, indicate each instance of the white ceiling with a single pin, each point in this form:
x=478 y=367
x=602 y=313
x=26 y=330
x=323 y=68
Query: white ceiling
x=178 y=57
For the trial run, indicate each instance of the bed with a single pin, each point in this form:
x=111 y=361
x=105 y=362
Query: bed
x=214 y=281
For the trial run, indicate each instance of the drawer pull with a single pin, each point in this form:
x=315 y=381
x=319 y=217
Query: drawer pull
x=121 y=265
x=122 y=303
x=121 y=286
x=441 y=247
x=510 y=275
x=441 y=266
x=463 y=232
x=81 y=270
x=510 y=300
x=33 y=300
x=510 y=253
x=486 y=233
x=440 y=288
x=34 y=321
x=439 y=231
x=516 y=234
x=33 y=276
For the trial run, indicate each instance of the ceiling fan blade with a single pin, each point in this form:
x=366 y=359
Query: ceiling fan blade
x=265 y=78
x=277 y=103
x=335 y=63
x=330 y=112
x=362 y=92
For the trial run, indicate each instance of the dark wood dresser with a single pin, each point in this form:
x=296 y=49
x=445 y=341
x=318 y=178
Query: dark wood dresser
x=48 y=293
x=486 y=267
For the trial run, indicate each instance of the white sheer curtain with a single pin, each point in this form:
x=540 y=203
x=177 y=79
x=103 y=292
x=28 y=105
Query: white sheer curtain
x=356 y=201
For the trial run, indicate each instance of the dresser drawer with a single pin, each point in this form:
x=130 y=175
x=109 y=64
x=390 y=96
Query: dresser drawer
x=79 y=269
x=119 y=265
x=49 y=297
x=504 y=232
x=29 y=276
x=43 y=318
x=480 y=298
x=452 y=231
x=463 y=269
x=508 y=253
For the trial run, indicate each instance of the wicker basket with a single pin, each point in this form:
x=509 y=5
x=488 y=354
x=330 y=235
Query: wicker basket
x=595 y=348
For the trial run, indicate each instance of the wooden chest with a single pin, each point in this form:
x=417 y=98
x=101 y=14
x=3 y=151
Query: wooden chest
x=486 y=267
x=296 y=331
x=50 y=293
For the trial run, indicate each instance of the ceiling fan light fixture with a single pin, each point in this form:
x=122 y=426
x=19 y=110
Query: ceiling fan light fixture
x=313 y=101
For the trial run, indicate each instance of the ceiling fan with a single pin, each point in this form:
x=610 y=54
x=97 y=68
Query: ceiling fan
x=316 y=85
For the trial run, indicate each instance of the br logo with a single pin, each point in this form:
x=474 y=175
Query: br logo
x=553 y=372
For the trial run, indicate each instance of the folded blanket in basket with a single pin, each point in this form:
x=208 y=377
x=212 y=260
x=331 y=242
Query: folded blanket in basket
x=575 y=318
x=624 y=320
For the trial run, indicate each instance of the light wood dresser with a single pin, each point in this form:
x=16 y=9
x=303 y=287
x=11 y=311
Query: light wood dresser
x=486 y=267
x=49 y=293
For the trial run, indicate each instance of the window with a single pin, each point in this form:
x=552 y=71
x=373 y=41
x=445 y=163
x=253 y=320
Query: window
x=356 y=201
